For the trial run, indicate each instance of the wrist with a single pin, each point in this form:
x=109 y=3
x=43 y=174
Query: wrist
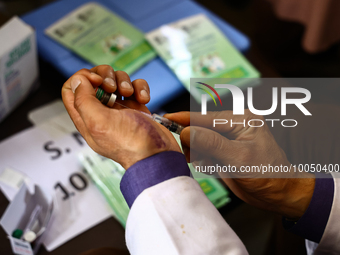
x=152 y=171
x=298 y=195
x=135 y=157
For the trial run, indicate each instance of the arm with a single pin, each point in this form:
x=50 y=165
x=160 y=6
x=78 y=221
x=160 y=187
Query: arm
x=160 y=206
x=247 y=150
x=305 y=199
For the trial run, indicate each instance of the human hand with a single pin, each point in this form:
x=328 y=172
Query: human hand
x=124 y=135
x=205 y=145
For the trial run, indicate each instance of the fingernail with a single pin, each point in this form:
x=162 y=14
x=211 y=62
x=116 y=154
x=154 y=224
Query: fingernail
x=110 y=82
x=75 y=82
x=126 y=85
x=144 y=93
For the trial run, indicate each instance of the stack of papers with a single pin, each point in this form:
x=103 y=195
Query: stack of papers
x=195 y=48
x=101 y=37
x=192 y=47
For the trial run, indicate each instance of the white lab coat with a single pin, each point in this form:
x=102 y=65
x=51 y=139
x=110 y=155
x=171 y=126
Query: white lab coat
x=175 y=217
x=330 y=241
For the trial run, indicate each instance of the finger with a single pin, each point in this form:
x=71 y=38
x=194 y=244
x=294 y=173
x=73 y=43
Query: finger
x=124 y=84
x=92 y=112
x=198 y=119
x=218 y=121
x=94 y=78
x=185 y=137
x=141 y=91
x=123 y=104
x=109 y=78
x=190 y=155
x=202 y=165
x=209 y=143
x=210 y=119
x=182 y=118
x=68 y=100
x=186 y=152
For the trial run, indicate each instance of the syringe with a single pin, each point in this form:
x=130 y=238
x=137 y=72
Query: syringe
x=109 y=99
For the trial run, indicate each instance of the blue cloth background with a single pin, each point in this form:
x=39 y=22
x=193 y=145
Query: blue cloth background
x=145 y=15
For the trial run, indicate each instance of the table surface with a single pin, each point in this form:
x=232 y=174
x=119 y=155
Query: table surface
x=108 y=233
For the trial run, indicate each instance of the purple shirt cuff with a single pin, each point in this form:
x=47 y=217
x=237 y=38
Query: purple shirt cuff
x=151 y=171
x=313 y=223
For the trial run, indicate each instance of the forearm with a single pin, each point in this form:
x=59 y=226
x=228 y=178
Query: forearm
x=298 y=195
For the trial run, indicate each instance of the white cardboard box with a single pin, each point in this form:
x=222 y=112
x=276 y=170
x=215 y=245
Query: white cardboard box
x=18 y=64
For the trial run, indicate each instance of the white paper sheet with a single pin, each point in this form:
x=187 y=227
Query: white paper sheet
x=41 y=114
x=52 y=119
x=52 y=163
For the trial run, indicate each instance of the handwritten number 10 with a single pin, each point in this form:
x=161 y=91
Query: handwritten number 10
x=77 y=181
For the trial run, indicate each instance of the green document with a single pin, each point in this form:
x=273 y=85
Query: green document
x=215 y=191
x=107 y=174
x=101 y=37
x=195 y=48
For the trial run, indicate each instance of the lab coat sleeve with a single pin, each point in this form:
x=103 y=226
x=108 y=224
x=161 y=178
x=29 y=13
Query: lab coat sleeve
x=173 y=216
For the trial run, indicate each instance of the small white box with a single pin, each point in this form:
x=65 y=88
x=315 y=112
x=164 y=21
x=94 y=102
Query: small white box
x=18 y=64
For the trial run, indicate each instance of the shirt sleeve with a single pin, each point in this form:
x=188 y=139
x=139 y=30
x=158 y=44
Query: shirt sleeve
x=152 y=171
x=312 y=224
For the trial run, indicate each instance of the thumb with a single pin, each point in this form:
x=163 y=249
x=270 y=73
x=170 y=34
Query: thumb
x=182 y=118
x=207 y=142
x=218 y=121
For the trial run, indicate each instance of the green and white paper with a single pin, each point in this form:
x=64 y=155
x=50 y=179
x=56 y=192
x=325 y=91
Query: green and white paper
x=195 y=48
x=101 y=37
